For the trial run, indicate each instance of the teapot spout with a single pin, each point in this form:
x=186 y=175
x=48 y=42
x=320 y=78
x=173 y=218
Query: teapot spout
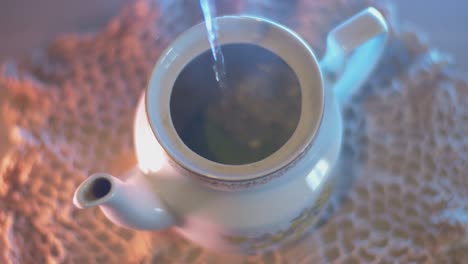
x=132 y=204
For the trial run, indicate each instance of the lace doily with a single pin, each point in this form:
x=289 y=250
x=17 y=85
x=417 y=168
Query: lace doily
x=70 y=110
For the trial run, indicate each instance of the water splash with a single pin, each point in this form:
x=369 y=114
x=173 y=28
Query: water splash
x=209 y=12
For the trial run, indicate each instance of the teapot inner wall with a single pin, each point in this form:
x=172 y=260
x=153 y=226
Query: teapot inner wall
x=249 y=118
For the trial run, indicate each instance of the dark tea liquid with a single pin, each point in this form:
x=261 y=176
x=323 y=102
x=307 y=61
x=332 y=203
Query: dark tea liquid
x=251 y=118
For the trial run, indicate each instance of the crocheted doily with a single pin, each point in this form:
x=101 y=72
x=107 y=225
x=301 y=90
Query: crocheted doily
x=70 y=108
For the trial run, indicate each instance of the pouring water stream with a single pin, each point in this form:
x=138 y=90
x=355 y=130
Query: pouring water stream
x=209 y=13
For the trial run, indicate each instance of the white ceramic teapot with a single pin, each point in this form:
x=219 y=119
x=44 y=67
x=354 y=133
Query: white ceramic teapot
x=247 y=207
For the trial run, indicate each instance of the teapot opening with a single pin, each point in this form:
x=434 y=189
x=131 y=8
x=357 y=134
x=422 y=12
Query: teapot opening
x=252 y=116
x=99 y=188
x=95 y=190
x=274 y=108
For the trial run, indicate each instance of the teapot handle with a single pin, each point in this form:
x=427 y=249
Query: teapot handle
x=353 y=50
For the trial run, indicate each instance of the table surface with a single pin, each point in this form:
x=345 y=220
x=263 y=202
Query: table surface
x=28 y=24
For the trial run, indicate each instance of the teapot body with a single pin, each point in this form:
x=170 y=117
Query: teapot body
x=248 y=218
x=252 y=207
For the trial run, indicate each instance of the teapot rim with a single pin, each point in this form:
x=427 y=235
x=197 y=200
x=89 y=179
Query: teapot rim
x=192 y=43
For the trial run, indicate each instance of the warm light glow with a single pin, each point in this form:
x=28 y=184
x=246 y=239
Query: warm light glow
x=318 y=173
x=149 y=152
